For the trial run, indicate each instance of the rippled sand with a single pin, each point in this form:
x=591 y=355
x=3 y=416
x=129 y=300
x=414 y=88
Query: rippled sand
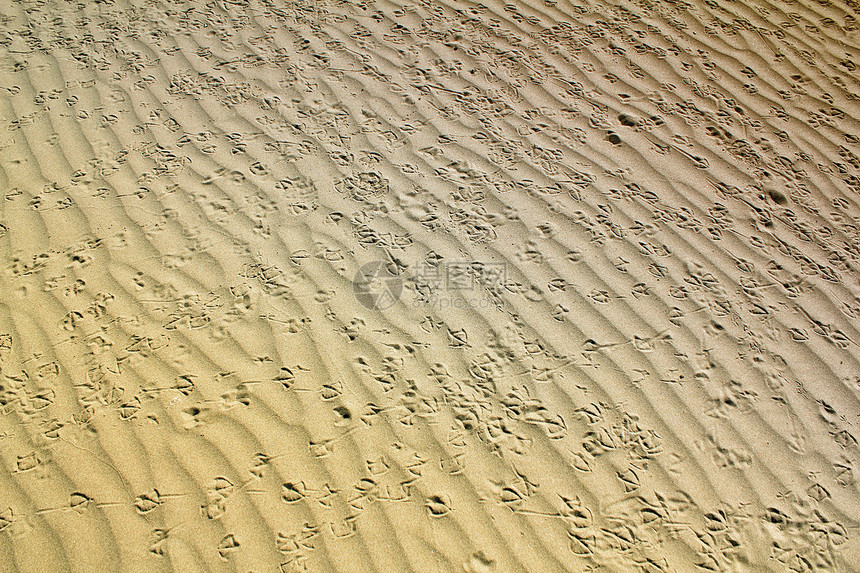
x=429 y=286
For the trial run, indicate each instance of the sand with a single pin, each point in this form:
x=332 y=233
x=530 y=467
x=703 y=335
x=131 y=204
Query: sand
x=432 y=286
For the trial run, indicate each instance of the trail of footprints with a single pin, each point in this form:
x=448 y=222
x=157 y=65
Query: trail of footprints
x=623 y=237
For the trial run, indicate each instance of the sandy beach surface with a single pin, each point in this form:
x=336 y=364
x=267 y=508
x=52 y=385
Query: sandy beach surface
x=429 y=286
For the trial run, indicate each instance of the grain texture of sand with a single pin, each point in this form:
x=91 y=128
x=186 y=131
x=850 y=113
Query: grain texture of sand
x=429 y=286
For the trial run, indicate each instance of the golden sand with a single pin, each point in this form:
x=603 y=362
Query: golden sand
x=432 y=286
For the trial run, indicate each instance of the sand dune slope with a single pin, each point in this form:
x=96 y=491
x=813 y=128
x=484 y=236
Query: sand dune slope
x=354 y=285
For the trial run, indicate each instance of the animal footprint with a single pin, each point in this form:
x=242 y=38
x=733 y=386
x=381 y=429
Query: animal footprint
x=227 y=545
